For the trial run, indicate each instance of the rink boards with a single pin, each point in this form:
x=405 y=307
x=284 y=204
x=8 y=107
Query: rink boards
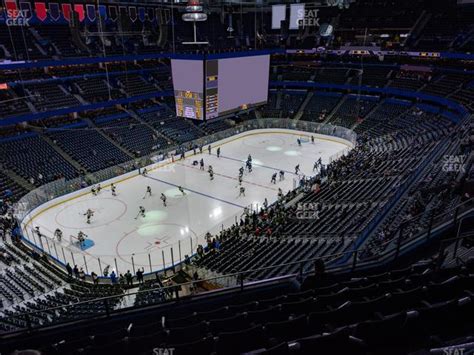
x=166 y=176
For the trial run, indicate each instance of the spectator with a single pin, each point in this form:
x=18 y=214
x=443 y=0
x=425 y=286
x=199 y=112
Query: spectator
x=113 y=277
x=76 y=271
x=95 y=278
x=139 y=275
x=69 y=269
x=313 y=281
x=129 y=278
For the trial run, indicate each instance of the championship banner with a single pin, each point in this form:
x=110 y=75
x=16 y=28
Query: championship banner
x=40 y=9
x=103 y=12
x=151 y=14
x=122 y=12
x=113 y=13
x=90 y=10
x=66 y=10
x=141 y=14
x=79 y=9
x=132 y=11
x=159 y=16
x=54 y=12
x=12 y=9
x=25 y=8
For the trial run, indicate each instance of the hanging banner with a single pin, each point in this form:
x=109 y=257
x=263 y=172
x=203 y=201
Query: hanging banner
x=141 y=14
x=167 y=16
x=159 y=17
x=297 y=16
x=79 y=9
x=103 y=12
x=90 y=10
x=25 y=8
x=12 y=9
x=40 y=9
x=150 y=14
x=132 y=10
x=122 y=13
x=54 y=12
x=113 y=13
x=66 y=10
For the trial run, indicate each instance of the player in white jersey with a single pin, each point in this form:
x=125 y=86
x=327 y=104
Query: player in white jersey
x=89 y=213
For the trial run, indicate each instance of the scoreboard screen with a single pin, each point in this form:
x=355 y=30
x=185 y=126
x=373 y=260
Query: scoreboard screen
x=188 y=87
x=242 y=82
x=213 y=86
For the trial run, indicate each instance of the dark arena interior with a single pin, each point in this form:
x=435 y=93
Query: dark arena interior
x=236 y=177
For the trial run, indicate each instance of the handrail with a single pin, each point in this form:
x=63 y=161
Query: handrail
x=25 y=208
x=239 y=276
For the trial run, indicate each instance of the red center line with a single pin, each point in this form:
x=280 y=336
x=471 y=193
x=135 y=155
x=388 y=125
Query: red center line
x=230 y=177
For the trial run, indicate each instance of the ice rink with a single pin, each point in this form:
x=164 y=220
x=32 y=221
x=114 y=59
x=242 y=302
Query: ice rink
x=166 y=234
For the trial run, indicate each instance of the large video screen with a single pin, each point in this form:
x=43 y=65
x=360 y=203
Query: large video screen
x=242 y=82
x=188 y=76
x=206 y=89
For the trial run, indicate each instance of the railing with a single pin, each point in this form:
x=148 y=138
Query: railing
x=242 y=280
x=161 y=258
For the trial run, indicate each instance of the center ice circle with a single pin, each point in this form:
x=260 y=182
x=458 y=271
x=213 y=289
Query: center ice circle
x=106 y=210
x=151 y=238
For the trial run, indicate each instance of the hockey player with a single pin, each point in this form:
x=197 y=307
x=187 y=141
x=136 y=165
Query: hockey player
x=297 y=169
x=315 y=166
x=163 y=198
x=148 y=192
x=141 y=212
x=113 y=188
x=240 y=179
x=282 y=175
x=93 y=191
x=299 y=142
x=81 y=238
x=218 y=152
x=312 y=139
x=58 y=234
x=98 y=188
x=209 y=149
x=180 y=188
x=89 y=213
x=211 y=172
x=201 y=164
x=144 y=172
x=249 y=158
x=249 y=165
x=274 y=179
x=241 y=171
x=242 y=191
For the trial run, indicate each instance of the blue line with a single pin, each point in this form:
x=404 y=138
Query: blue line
x=263 y=166
x=196 y=192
